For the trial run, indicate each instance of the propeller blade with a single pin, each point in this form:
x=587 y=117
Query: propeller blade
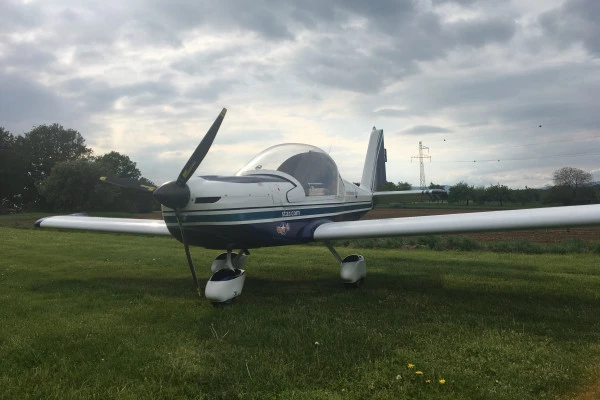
x=128 y=183
x=200 y=152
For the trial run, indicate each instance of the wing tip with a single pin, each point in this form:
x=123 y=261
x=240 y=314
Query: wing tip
x=38 y=223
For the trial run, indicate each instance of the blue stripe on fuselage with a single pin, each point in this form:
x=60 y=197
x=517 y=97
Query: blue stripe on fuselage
x=277 y=213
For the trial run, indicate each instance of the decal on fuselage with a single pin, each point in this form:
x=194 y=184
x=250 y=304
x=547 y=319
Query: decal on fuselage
x=283 y=228
x=295 y=213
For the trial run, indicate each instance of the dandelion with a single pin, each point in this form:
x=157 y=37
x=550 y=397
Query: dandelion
x=317 y=343
x=411 y=366
x=419 y=372
x=428 y=381
x=442 y=381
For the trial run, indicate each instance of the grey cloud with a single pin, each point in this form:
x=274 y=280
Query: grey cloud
x=425 y=129
x=210 y=91
x=248 y=136
x=263 y=17
x=392 y=112
x=206 y=60
x=16 y=14
x=26 y=56
x=98 y=96
x=461 y=2
x=24 y=104
x=576 y=21
x=481 y=32
x=369 y=64
x=516 y=88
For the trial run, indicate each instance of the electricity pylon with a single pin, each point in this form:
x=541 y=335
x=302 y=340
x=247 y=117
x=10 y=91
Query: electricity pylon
x=422 y=166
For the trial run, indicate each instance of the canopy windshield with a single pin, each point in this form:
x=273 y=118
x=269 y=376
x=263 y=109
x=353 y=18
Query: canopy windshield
x=311 y=166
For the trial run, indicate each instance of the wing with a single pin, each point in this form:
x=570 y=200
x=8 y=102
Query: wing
x=125 y=225
x=460 y=223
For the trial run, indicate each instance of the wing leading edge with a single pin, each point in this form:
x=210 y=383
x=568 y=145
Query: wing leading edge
x=461 y=223
x=124 y=225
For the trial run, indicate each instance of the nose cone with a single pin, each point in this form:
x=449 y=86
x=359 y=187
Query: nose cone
x=172 y=195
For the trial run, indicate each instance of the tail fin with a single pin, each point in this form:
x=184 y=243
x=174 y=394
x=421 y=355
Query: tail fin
x=374 y=170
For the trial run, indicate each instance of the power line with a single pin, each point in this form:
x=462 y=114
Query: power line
x=522 y=158
x=535 y=144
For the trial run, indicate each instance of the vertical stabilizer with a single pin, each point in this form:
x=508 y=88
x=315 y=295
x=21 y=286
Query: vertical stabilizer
x=374 y=170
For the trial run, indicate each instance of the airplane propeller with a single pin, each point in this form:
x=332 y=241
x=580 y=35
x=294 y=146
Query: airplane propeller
x=176 y=194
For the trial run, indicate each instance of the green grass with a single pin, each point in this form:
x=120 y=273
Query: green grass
x=108 y=316
x=464 y=243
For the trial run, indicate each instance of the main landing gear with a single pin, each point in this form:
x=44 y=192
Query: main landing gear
x=353 y=268
x=227 y=280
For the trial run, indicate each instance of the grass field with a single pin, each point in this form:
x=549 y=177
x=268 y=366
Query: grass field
x=109 y=316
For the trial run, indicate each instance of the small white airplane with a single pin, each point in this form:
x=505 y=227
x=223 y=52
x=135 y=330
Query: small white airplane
x=293 y=194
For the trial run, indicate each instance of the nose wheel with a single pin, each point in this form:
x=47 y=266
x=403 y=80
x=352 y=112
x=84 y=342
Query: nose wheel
x=228 y=278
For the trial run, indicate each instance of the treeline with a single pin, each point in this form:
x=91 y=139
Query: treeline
x=51 y=169
x=572 y=186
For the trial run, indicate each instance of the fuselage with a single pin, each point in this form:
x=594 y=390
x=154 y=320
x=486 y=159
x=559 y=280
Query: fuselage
x=262 y=208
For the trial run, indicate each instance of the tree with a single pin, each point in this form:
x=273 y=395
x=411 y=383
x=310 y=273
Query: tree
x=499 y=193
x=12 y=172
x=387 y=187
x=115 y=164
x=403 y=186
x=461 y=192
x=571 y=185
x=70 y=187
x=118 y=165
x=74 y=186
x=527 y=195
x=572 y=177
x=390 y=186
x=478 y=195
x=44 y=147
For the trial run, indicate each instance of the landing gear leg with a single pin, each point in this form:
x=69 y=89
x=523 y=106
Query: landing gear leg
x=230 y=260
x=353 y=268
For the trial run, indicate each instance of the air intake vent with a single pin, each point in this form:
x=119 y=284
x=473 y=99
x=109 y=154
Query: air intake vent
x=206 y=200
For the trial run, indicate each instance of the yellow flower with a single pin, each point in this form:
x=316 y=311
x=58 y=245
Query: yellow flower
x=442 y=381
x=428 y=381
x=419 y=372
x=411 y=366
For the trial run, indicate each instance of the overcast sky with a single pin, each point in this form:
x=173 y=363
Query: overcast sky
x=512 y=85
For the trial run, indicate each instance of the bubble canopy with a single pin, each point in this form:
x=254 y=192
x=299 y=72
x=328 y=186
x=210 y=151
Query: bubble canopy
x=312 y=167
